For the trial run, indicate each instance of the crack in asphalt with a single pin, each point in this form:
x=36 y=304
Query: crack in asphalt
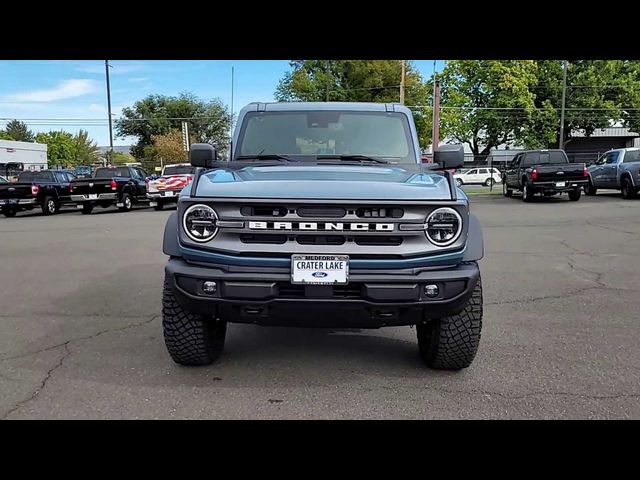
x=544 y=297
x=67 y=353
x=589 y=222
x=43 y=384
x=78 y=339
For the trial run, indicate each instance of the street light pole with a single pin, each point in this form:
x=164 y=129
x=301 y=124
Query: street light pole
x=564 y=96
x=106 y=69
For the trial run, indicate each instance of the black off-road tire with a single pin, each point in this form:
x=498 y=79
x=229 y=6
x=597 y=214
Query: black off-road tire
x=87 y=208
x=50 y=206
x=507 y=192
x=159 y=206
x=190 y=339
x=9 y=212
x=589 y=189
x=628 y=190
x=451 y=343
x=127 y=203
x=527 y=193
x=574 y=195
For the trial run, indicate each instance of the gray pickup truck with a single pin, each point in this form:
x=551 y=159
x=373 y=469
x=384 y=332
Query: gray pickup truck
x=324 y=216
x=617 y=169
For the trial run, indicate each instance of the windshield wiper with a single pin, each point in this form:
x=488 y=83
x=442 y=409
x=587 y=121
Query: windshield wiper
x=361 y=158
x=270 y=156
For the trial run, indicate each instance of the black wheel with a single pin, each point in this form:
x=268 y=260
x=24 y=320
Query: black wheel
x=489 y=182
x=159 y=206
x=49 y=206
x=451 y=343
x=190 y=339
x=507 y=192
x=628 y=190
x=87 y=208
x=527 y=193
x=459 y=182
x=574 y=195
x=589 y=189
x=9 y=212
x=127 y=203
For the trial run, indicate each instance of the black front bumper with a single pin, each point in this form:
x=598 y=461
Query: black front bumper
x=370 y=300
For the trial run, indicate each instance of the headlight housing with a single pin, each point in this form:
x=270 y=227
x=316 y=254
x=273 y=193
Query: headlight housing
x=443 y=226
x=199 y=223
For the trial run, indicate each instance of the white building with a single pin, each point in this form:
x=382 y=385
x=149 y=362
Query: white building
x=32 y=155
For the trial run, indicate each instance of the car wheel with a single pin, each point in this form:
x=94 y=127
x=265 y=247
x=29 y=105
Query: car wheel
x=590 y=189
x=506 y=191
x=127 y=203
x=489 y=182
x=9 y=212
x=49 y=206
x=190 y=339
x=459 y=182
x=451 y=343
x=87 y=208
x=527 y=193
x=574 y=195
x=628 y=190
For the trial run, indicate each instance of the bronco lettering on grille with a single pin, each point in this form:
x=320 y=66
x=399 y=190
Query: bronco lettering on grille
x=326 y=226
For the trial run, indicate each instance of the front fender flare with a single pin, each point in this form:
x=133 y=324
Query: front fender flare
x=170 y=240
x=475 y=240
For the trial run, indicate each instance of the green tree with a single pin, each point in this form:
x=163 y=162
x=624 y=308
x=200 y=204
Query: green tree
x=487 y=102
x=5 y=136
x=158 y=114
x=120 y=158
x=358 y=81
x=169 y=147
x=18 y=131
x=85 y=150
x=60 y=147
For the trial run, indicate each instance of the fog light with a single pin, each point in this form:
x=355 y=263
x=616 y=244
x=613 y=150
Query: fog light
x=209 y=287
x=431 y=291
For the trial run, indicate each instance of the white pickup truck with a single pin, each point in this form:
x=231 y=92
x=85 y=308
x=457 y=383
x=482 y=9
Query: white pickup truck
x=166 y=188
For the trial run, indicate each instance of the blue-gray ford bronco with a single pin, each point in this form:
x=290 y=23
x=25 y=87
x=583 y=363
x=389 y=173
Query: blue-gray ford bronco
x=323 y=216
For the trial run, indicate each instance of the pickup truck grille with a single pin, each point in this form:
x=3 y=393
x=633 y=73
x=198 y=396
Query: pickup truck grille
x=283 y=228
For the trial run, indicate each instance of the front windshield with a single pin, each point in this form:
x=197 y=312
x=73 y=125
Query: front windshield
x=381 y=135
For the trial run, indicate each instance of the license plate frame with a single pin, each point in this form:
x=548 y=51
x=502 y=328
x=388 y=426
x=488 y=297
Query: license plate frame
x=561 y=184
x=321 y=270
x=168 y=193
x=93 y=196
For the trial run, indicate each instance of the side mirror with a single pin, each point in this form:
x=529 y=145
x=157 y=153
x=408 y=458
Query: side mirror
x=449 y=157
x=202 y=155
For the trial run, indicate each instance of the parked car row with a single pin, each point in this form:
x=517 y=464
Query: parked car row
x=617 y=169
x=122 y=186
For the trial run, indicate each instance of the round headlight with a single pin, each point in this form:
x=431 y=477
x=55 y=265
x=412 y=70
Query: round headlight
x=443 y=226
x=199 y=223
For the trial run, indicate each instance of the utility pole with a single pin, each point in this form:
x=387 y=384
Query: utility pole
x=232 y=98
x=402 y=80
x=106 y=69
x=564 y=96
x=436 y=116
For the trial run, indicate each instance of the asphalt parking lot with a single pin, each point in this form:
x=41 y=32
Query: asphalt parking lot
x=81 y=337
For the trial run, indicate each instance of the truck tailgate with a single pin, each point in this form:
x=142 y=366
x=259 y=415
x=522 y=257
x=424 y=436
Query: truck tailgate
x=88 y=186
x=560 y=171
x=14 y=190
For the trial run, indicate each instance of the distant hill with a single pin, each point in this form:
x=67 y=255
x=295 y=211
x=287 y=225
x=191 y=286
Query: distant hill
x=116 y=148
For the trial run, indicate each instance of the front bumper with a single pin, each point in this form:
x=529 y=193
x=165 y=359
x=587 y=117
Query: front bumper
x=370 y=300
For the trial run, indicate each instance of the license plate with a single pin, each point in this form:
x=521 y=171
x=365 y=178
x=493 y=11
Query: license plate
x=13 y=201
x=320 y=269
x=169 y=194
x=93 y=196
x=561 y=184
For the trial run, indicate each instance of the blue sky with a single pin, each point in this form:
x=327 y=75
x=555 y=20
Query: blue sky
x=47 y=93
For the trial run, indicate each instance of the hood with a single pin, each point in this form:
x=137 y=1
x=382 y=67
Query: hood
x=323 y=182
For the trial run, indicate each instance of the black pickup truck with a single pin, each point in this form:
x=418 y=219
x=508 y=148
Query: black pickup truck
x=48 y=189
x=547 y=172
x=119 y=186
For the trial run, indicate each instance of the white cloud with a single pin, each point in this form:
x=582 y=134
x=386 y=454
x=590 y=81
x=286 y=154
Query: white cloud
x=75 y=87
x=138 y=79
x=118 y=68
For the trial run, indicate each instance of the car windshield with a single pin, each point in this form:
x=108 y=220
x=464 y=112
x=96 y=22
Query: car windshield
x=300 y=134
x=112 y=172
x=178 y=170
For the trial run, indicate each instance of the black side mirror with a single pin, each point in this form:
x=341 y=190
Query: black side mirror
x=449 y=157
x=203 y=155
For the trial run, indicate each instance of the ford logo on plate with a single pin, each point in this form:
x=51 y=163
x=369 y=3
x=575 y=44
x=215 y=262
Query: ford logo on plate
x=319 y=274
